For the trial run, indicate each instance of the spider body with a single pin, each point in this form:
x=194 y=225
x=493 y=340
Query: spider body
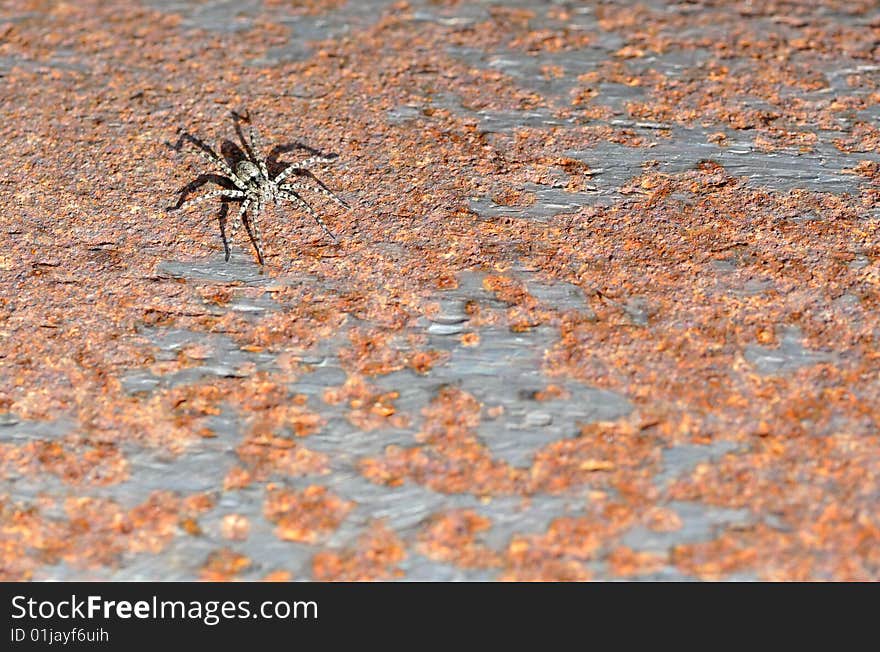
x=248 y=172
x=253 y=186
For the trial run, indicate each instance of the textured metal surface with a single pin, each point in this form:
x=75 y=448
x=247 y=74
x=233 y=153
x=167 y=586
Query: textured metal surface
x=605 y=305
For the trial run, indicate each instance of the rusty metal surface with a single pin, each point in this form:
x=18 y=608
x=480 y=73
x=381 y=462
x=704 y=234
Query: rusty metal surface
x=605 y=304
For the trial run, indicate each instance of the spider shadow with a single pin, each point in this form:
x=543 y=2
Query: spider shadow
x=248 y=152
x=184 y=136
x=276 y=166
x=273 y=165
x=223 y=219
x=201 y=180
x=230 y=153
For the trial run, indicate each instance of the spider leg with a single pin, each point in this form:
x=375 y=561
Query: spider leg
x=236 y=222
x=323 y=190
x=257 y=150
x=292 y=196
x=305 y=165
x=213 y=159
x=194 y=185
x=308 y=174
x=255 y=231
x=319 y=158
x=230 y=194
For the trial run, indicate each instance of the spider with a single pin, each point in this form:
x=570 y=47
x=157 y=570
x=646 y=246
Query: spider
x=255 y=188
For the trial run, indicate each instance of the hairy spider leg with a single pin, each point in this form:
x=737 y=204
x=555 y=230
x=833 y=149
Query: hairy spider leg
x=230 y=194
x=257 y=149
x=257 y=237
x=304 y=165
x=321 y=190
x=236 y=222
x=292 y=196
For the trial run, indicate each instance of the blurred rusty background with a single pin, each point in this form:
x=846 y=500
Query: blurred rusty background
x=605 y=305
